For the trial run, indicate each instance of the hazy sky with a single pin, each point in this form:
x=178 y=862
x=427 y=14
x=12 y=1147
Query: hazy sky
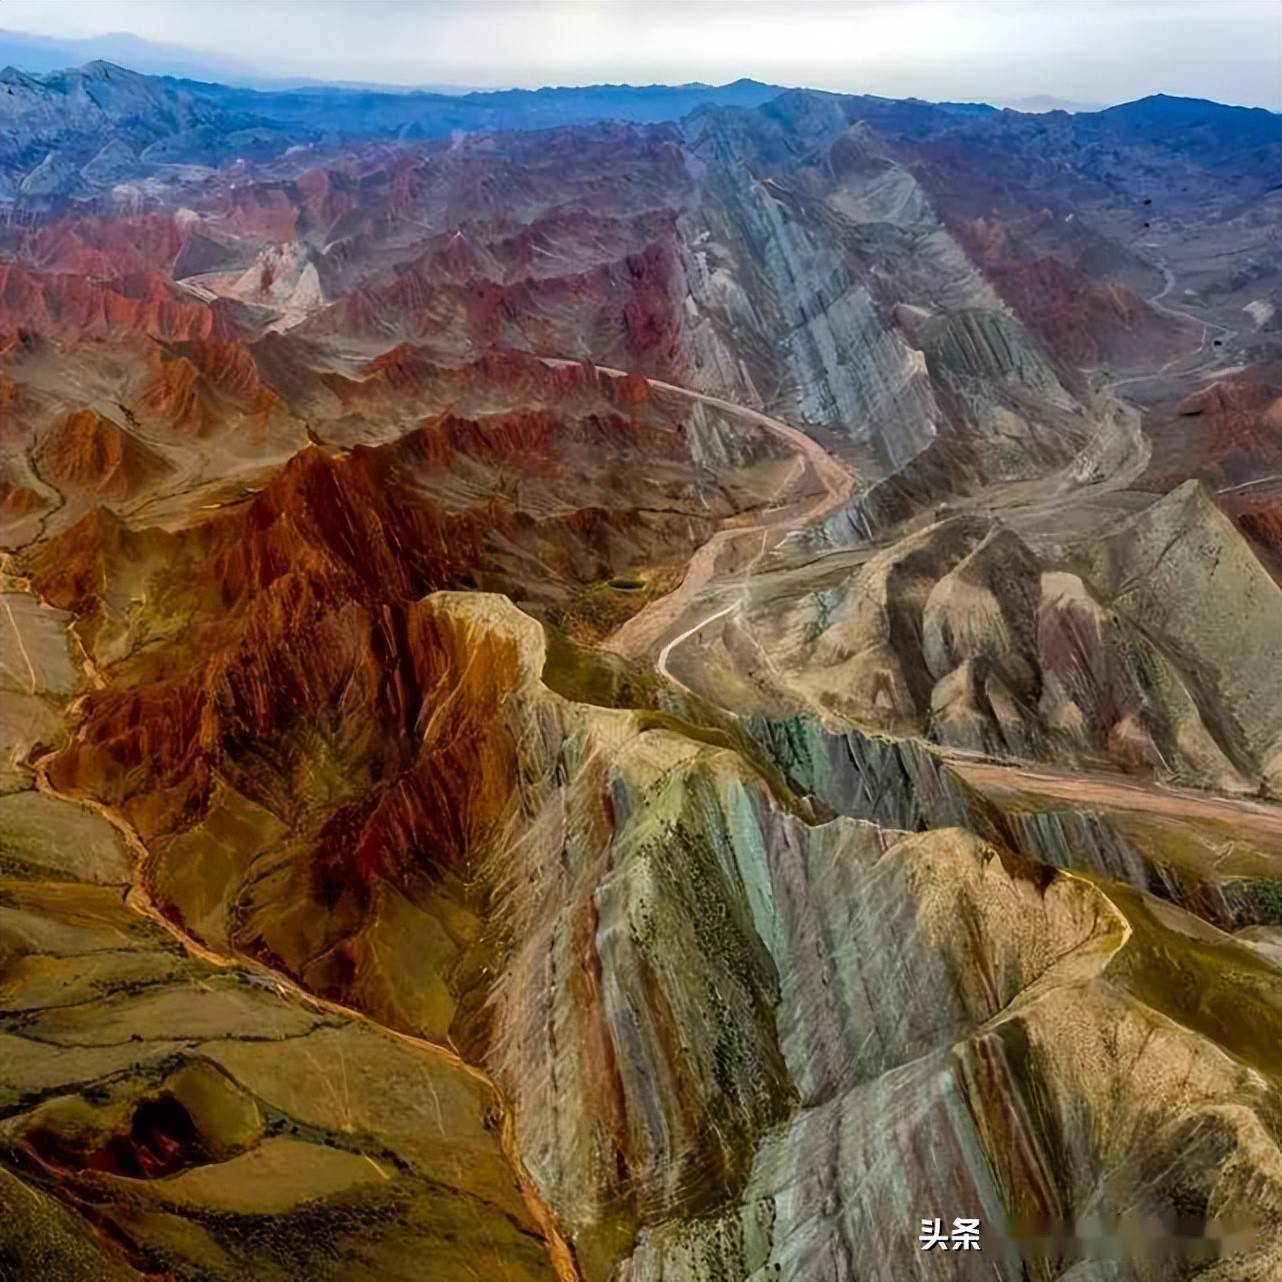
x=1098 y=51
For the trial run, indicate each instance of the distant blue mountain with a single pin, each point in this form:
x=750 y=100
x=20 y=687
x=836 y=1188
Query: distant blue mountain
x=336 y=112
x=54 y=125
x=1162 y=111
x=1040 y=104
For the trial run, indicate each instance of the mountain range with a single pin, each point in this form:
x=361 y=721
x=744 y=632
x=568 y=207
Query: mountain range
x=661 y=684
x=60 y=120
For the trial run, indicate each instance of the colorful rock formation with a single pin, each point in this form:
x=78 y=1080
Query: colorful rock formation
x=638 y=703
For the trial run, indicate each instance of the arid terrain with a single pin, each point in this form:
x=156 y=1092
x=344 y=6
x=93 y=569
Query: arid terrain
x=637 y=689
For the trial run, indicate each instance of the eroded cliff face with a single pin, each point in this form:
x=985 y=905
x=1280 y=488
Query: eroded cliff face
x=1182 y=568
x=1211 y=856
x=819 y=261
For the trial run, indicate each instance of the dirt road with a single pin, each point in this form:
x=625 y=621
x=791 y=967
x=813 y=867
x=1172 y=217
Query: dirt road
x=1204 y=354
x=1262 y=820
x=641 y=633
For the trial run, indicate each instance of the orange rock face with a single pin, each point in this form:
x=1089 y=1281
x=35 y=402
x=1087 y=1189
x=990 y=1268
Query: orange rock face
x=70 y=306
x=88 y=452
x=201 y=385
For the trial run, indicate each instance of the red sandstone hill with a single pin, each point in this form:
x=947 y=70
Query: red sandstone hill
x=88 y=452
x=299 y=611
x=1087 y=320
x=104 y=248
x=1090 y=322
x=17 y=500
x=624 y=312
x=69 y=306
x=205 y=385
x=1228 y=435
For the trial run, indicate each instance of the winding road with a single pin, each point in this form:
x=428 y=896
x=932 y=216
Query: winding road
x=642 y=632
x=1209 y=328
x=645 y=629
